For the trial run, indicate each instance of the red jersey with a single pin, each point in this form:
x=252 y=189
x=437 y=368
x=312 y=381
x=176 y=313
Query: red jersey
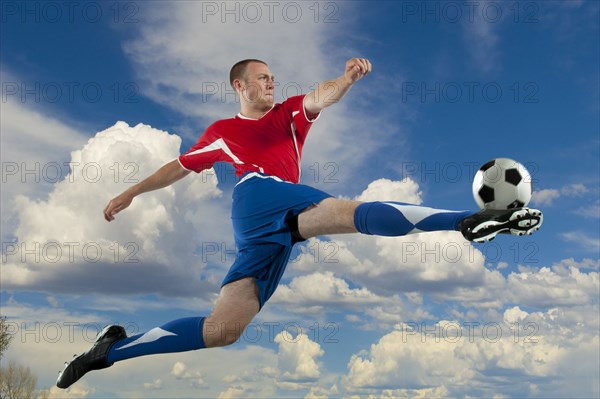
x=271 y=145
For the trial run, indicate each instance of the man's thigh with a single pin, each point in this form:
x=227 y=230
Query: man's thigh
x=330 y=216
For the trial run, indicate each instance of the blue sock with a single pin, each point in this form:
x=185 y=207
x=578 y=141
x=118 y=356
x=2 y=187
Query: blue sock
x=176 y=336
x=397 y=219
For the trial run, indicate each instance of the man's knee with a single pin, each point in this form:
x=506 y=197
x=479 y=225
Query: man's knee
x=222 y=333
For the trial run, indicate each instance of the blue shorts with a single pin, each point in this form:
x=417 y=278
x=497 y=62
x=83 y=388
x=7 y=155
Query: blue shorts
x=261 y=207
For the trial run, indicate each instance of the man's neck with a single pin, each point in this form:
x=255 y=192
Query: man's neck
x=253 y=113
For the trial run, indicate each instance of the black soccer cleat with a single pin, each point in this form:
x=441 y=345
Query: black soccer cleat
x=94 y=359
x=485 y=224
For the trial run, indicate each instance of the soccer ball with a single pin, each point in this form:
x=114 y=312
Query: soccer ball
x=502 y=183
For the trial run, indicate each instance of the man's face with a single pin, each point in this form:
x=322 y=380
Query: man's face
x=258 y=87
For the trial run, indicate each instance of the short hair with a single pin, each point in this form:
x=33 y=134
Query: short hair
x=238 y=70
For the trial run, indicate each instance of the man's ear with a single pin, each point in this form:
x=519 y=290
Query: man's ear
x=237 y=85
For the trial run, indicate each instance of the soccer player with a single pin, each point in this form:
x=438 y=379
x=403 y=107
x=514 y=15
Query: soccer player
x=271 y=212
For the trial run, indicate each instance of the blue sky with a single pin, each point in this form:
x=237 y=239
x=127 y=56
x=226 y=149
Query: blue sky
x=97 y=95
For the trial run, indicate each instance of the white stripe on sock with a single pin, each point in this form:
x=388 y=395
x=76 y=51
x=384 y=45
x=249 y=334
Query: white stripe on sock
x=151 y=336
x=415 y=214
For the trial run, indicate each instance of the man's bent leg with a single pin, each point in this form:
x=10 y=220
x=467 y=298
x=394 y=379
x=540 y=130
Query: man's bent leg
x=235 y=308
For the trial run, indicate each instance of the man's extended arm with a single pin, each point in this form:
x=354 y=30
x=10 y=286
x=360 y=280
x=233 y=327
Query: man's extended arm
x=165 y=176
x=331 y=91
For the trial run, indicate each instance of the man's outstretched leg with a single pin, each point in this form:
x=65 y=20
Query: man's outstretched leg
x=237 y=305
x=335 y=216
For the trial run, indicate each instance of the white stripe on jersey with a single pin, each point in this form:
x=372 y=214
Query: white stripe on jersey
x=254 y=174
x=293 y=127
x=217 y=145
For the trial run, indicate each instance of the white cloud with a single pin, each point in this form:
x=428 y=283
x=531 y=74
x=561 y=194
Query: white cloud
x=79 y=391
x=502 y=265
x=52 y=301
x=399 y=359
x=514 y=315
x=320 y=293
x=35 y=150
x=582 y=240
x=585 y=263
x=462 y=359
x=19 y=312
x=428 y=262
x=590 y=211
x=297 y=358
x=187 y=73
x=406 y=190
x=156 y=384
x=555 y=286
x=178 y=369
x=237 y=380
x=574 y=190
x=548 y=195
x=545 y=196
x=319 y=289
x=64 y=244
x=217 y=372
x=233 y=392
x=480 y=35
x=318 y=392
x=195 y=379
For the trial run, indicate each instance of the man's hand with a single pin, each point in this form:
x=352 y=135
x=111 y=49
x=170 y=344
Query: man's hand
x=165 y=176
x=116 y=205
x=356 y=68
x=330 y=92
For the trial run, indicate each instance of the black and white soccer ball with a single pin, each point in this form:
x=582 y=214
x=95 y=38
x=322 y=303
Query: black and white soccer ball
x=502 y=183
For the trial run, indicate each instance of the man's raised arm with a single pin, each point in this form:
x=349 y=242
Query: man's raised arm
x=331 y=91
x=165 y=176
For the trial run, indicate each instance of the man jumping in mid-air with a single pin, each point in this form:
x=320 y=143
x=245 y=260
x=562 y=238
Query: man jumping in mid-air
x=271 y=212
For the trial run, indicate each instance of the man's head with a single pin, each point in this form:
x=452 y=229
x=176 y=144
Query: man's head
x=239 y=70
x=254 y=82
